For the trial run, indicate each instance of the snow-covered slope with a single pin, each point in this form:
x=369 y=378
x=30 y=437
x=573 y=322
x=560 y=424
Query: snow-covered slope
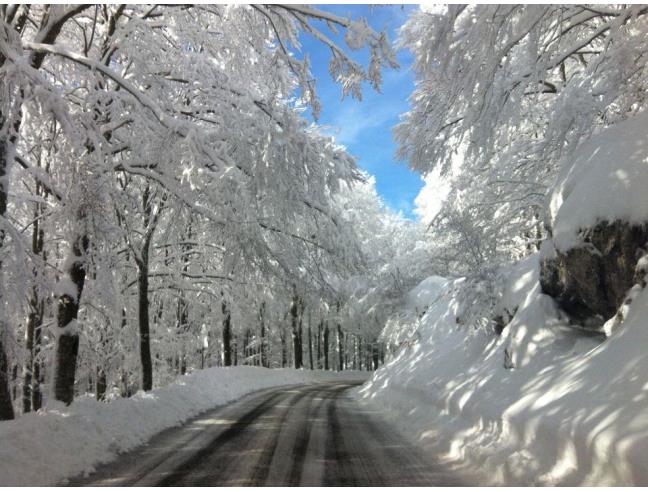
x=44 y=448
x=573 y=411
x=542 y=403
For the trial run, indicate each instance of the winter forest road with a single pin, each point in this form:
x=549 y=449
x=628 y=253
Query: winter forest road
x=300 y=435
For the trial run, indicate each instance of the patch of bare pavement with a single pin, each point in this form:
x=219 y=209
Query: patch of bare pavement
x=301 y=435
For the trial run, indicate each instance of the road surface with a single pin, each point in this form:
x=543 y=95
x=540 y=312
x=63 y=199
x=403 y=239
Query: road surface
x=302 y=435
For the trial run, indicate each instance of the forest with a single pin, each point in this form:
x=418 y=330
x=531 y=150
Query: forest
x=166 y=207
x=169 y=202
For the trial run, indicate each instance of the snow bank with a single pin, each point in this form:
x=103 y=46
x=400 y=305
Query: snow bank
x=426 y=293
x=402 y=327
x=607 y=180
x=573 y=411
x=44 y=448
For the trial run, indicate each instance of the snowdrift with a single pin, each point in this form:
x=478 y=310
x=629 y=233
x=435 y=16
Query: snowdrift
x=45 y=448
x=573 y=411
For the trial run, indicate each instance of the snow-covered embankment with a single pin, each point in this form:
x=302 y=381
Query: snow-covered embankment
x=543 y=402
x=573 y=411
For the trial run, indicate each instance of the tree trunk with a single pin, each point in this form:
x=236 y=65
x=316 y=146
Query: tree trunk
x=284 y=348
x=299 y=350
x=31 y=368
x=38 y=311
x=346 y=352
x=310 y=341
x=182 y=319
x=375 y=355
x=340 y=340
x=359 y=353
x=144 y=326
x=36 y=363
x=264 y=352
x=125 y=386
x=235 y=349
x=37 y=373
x=182 y=313
x=31 y=374
x=319 y=344
x=296 y=332
x=101 y=384
x=326 y=346
x=67 y=348
x=227 y=335
x=27 y=368
x=246 y=344
x=150 y=221
x=183 y=364
x=124 y=375
x=6 y=406
x=14 y=382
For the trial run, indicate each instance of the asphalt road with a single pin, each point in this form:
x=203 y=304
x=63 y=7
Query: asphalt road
x=305 y=435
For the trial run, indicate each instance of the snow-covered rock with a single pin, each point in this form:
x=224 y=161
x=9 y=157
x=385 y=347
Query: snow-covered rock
x=590 y=282
x=599 y=221
x=604 y=180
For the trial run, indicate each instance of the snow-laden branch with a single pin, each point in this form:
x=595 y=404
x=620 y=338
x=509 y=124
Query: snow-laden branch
x=41 y=176
x=169 y=122
x=166 y=120
x=316 y=14
x=170 y=186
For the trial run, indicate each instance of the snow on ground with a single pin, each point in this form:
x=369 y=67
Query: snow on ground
x=44 y=448
x=573 y=411
x=403 y=327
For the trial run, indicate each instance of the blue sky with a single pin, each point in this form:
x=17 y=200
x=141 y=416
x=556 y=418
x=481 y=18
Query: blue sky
x=365 y=127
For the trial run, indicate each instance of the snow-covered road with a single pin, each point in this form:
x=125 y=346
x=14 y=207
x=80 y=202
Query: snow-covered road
x=299 y=435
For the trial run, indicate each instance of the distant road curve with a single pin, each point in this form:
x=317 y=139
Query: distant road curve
x=300 y=435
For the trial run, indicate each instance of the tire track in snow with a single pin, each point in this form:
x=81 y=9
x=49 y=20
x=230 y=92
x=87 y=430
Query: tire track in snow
x=226 y=436
x=262 y=469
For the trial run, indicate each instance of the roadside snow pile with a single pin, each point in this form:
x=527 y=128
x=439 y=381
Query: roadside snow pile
x=44 y=448
x=607 y=181
x=572 y=411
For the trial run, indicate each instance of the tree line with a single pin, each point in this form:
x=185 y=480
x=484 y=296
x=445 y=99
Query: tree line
x=164 y=204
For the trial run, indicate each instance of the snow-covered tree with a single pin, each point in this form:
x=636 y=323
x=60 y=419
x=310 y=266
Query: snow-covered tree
x=503 y=92
x=154 y=165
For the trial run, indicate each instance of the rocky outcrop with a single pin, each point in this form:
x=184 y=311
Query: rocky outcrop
x=590 y=281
